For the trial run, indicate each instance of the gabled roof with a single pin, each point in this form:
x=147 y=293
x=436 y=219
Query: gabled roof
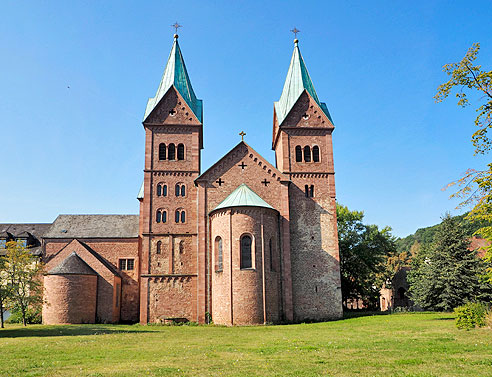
x=175 y=74
x=72 y=265
x=243 y=196
x=296 y=82
x=19 y=230
x=94 y=226
x=273 y=168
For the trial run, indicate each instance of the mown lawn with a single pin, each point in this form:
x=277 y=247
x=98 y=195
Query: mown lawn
x=423 y=344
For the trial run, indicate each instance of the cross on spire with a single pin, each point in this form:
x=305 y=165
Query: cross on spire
x=242 y=133
x=176 y=26
x=295 y=31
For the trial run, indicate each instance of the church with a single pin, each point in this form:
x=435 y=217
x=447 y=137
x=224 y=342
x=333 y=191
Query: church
x=242 y=243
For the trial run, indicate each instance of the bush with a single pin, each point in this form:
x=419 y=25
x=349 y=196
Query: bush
x=33 y=316
x=471 y=315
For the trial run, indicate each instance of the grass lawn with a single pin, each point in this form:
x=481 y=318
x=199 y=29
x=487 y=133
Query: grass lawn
x=414 y=344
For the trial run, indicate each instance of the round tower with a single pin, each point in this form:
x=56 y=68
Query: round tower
x=70 y=293
x=245 y=260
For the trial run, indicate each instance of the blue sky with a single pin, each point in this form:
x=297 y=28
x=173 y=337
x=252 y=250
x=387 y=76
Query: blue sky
x=75 y=77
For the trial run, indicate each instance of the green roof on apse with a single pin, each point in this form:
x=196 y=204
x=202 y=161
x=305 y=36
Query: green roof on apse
x=175 y=74
x=296 y=82
x=243 y=196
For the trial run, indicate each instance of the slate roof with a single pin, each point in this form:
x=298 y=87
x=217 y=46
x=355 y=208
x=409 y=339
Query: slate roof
x=21 y=230
x=72 y=265
x=94 y=226
x=175 y=74
x=243 y=196
x=296 y=82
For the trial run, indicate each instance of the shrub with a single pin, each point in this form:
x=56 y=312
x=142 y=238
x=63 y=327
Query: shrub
x=33 y=316
x=471 y=315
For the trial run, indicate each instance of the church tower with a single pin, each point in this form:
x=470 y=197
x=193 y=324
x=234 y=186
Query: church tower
x=168 y=198
x=302 y=140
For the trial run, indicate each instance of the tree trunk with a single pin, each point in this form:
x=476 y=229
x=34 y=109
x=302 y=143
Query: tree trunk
x=24 y=322
x=1 y=314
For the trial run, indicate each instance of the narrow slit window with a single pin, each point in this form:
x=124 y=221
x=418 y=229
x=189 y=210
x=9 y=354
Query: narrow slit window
x=183 y=216
x=164 y=190
x=176 y=216
x=298 y=153
x=246 y=260
x=183 y=190
x=306 y=191
x=181 y=152
x=159 y=189
x=171 y=152
x=315 y=153
x=311 y=191
x=158 y=216
x=218 y=248
x=162 y=151
x=307 y=153
x=164 y=216
x=159 y=246
x=177 y=190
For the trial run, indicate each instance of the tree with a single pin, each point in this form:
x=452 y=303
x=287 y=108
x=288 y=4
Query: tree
x=364 y=250
x=446 y=274
x=475 y=187
x=23 y=272
x=4 y=289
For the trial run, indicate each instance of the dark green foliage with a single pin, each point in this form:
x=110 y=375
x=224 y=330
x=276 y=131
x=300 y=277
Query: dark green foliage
x=33 y=316
x=471 y=315
x=364 y=250
x=425 y=236
x=446 y=274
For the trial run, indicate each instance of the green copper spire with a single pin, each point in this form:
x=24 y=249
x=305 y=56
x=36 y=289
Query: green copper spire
x=297 y=81
x=243 y=196
x=176 y=75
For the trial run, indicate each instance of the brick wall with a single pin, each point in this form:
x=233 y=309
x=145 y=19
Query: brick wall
x=69 y=299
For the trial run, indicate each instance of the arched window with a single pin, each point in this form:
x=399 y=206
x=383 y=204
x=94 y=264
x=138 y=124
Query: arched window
x=315 y=153
x=162 y=151
x=180 y=189
x=171 y=152
x=311 y=191
x=218 y=254
x=272 y=265
x=159 y=246
x=307 y=153
x=298 y=153
x=164 y=190
x=159 y=189
x=246 y=260
x=161 y=216
x=180 y=216
x=306 y=190
x=181 y=152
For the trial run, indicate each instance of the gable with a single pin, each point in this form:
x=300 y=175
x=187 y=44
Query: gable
x=307 y=113
x=243 y=165
x=89 y=256
x=172 y=109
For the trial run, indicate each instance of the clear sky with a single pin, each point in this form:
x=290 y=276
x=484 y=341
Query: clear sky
x=75 y=77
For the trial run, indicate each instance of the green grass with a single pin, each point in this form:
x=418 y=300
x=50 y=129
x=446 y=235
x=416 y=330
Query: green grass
x=411 y=344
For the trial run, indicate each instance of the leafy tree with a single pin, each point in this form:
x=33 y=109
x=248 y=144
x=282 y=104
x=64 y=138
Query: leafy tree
x=364 y=250
x=23 y=273
x=475 y=187
x=4 y=289
x=446 y=274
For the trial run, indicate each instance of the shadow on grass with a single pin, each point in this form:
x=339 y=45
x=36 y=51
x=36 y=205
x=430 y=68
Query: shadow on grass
x=360 y=313
x=64 y=330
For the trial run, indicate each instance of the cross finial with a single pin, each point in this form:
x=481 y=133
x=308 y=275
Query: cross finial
x=176 y=26
x=242 y=133
x=295 y=31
